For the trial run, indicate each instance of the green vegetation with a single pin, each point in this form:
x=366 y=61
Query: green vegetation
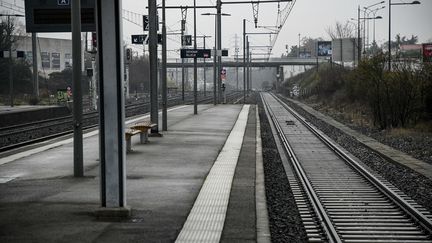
x=398 y=98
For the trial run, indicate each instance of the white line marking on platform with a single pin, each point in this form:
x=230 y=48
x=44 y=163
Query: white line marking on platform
x=206 y=219
x=23 y=154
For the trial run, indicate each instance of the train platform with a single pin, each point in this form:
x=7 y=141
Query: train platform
x=201 y=182
x=19 y=114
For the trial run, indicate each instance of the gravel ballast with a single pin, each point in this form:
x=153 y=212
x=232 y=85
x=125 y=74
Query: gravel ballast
x=408 y=181
x=284 y=217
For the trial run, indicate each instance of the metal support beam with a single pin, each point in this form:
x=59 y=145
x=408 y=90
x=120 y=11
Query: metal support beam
x=153 y=56
x=164 y=70
x=77 y=92
x=35 y=66
x=219 y=47
x=244 y=61
x=195 y=71
x=183 y=27
x=111 y=105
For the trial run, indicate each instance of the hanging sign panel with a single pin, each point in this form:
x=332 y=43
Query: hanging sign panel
x=55 y=16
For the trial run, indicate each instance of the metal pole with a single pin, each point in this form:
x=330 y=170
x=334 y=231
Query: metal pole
x=182 y=61
x=358 y=37
x=204 y=74
x=219 y=47
x=244 y=61
x=153 y=57
x=35 y=66
x=77 y=92
x=215 y=77
x=11 y=92
x=195 y=66
x=374 y=28
x=111 y=109
x=298 y=49
x=164 y=71
x=248 y=68
x=389 y=38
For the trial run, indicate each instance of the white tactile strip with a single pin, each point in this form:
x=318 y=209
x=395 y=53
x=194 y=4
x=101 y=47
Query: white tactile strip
x=206 y=219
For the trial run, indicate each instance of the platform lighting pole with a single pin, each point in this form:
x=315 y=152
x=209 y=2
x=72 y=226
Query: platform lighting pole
x=195 y=66
x=366 y=20
x=164 y=71
x=389 y=33
x=77 y=92
x=374 y=20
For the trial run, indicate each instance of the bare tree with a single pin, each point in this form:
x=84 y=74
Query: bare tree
x=341 y=30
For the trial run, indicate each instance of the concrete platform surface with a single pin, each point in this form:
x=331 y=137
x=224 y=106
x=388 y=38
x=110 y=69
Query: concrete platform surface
x=40 y=201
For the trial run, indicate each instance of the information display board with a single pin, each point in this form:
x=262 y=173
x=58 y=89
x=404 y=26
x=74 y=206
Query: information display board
x=55 y=15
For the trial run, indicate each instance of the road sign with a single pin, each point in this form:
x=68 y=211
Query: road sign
x=223 y=73
x=145 y=22
x=195 y=53
x=139 y=39
x=224 y=53
x=160 y=39
x=187 y=40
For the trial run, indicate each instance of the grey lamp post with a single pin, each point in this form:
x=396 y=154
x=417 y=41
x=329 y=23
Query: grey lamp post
x=215 y=74
x=389 y=32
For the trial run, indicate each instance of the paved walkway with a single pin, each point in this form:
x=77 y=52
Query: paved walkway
x=41 y=202
x=385 y=151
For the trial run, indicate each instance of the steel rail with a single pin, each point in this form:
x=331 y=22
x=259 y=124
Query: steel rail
x=325 y=222
x=415 y=214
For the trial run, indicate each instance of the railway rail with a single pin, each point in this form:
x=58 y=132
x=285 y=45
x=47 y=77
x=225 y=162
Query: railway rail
x=340 y=199
x=24 y=134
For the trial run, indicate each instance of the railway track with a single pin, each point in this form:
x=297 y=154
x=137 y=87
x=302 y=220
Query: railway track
x=339 y=199
x=24 y=134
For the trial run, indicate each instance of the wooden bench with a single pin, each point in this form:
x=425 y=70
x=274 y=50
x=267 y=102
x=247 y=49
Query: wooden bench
x=144 y=128
x=128 y=134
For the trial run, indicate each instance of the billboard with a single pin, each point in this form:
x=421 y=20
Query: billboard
x=427 y=52
x=324 y=48
x=345 y=50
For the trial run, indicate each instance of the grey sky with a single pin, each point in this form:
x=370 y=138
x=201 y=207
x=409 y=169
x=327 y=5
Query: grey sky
x=309 y=18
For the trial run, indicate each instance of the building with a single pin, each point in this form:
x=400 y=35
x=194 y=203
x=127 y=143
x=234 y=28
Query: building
x=54 y=55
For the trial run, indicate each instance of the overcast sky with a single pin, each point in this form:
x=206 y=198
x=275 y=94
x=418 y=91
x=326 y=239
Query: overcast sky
x=308 y=18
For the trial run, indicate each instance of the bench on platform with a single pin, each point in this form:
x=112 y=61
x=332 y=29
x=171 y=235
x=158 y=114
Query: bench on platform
x=128 y=134
x=144 y=128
